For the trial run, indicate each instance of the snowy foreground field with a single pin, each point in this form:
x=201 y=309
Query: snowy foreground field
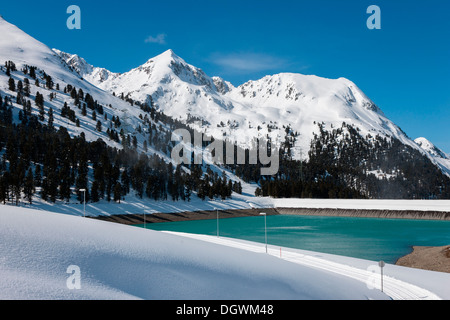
x=48 y=255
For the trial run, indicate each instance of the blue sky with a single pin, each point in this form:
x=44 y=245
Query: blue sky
x=404 y=67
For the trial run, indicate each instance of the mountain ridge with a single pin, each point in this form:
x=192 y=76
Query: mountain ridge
x=256 y=108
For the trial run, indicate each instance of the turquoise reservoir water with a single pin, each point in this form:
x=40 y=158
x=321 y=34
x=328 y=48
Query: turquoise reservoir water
x=366 y=238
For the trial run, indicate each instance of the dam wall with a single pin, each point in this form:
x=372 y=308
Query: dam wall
x=367 y=213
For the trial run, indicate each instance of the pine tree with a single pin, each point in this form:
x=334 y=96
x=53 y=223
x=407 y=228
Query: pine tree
x=12 y=84
x=20 y=86
x=80 y=94
x=50 y=118
x=29 y=188
x=125 y=182
x=64 y=180
x=82 y=180
x=48 y=81
x=73 y=93
x=39 y=100
x=145 y=146
x=53 y=179
x=117 y=192
x=41 y=114
x=33 y=72
x=4 y=187
x=37 y=176
x=26 y=87
x=94 y=192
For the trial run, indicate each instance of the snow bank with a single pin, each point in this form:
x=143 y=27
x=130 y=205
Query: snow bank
x=122 y=262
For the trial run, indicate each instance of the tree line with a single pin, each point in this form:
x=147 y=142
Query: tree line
x=345 y=164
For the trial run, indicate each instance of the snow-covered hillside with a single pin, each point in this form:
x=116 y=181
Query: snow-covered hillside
x=441 y=158
x=90 y=73
x=22 y=49
x=44 y=255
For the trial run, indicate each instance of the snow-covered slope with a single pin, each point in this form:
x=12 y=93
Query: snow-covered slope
x=119 y=262
x=440 y=157
x=90 y=73
x=22 y=49
x=122 y=262
x=426 y=145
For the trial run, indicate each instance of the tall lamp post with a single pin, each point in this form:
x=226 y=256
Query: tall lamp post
x=381 y=264
x=265 y=226
x=217 y=214
x=84 y=202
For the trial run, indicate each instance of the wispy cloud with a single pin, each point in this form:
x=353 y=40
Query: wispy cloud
x=159 y=39
x=249 y=62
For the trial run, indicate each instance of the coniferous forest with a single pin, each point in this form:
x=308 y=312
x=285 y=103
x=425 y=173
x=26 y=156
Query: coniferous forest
x=344 y=164
x=39 y=157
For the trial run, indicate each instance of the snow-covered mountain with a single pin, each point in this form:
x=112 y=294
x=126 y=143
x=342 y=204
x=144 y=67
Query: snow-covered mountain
x=255 y=109
x=269 y=107
x=281 y=107
x=77 y=105
x=439 y=156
